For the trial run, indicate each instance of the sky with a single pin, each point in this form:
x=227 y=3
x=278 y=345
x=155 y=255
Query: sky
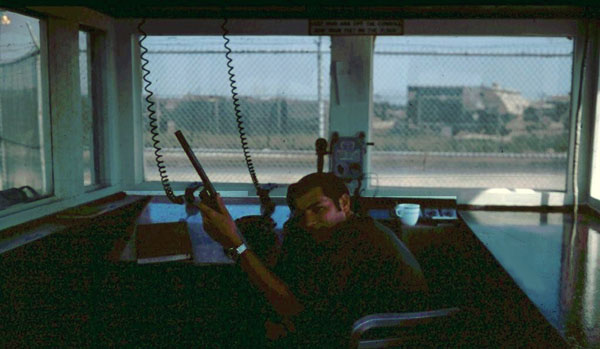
x=17 y=37
x=538 y=66
x=543 y=69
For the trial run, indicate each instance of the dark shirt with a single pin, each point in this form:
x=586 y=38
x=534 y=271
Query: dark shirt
x=362 y=269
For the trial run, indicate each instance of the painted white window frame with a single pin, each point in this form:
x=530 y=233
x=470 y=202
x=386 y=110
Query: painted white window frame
x=62 y=112
x=98 y=77
x=339 y=114
x=594 y=189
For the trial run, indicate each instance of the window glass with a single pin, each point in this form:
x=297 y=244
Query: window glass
x=25 y=172
x=91 y=108
x=595 y=181
x=85 y=81
x=595 y=178
x=477 y=112
x=283 y=86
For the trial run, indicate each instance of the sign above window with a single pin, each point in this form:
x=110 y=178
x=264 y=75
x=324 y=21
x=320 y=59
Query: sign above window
x=346 y=27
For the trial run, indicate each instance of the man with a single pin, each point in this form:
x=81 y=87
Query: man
x=335 y=265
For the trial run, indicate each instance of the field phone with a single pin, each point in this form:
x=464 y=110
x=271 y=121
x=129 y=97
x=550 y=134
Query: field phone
x=208 y=194
x=347 y=156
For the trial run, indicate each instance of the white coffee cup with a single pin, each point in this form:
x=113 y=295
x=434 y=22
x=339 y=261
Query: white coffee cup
x=408 y=213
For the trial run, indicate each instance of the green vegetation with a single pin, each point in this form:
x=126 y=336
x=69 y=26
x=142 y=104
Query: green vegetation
x=280 y=124
x=429 y=141
x=384 y=141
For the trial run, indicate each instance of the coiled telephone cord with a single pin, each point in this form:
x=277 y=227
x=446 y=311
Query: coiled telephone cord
x=160 y=163
x=237 y=111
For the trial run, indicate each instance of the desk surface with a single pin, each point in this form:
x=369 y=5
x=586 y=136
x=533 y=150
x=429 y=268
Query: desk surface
x=557 y=269
x=556 y=266
x=205 y=249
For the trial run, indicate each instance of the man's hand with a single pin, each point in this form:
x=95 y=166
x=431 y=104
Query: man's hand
x=219 y=225
x=279 y=330
x=274 y=331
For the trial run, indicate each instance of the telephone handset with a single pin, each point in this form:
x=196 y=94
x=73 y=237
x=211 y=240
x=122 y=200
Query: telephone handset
x=259 y=231
x=208 y=194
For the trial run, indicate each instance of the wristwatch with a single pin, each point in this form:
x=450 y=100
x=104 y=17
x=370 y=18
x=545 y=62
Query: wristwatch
x=235 y=252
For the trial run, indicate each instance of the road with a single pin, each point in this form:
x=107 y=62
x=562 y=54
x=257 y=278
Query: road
x=544 y=172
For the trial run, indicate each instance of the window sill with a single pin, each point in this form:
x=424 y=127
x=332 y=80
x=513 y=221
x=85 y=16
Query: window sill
x=22 y=213
x=94 y=187
x=480 y=196
x=463 y=196
x=594 y=204
x=37 y=229
x=225 y=189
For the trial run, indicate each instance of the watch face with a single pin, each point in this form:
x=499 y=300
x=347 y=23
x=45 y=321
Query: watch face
x=231 y=253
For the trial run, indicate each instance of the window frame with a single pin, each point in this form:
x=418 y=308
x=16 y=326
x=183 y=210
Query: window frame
x=59 y=31
x=498 y=196
x=422 y=27
x=44 y=123
x=195 y=27
x=97 y=82
x=90 y=83
x=594 y=185
x=504 y=27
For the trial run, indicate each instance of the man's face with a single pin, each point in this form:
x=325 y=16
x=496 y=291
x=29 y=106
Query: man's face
x=319 y=214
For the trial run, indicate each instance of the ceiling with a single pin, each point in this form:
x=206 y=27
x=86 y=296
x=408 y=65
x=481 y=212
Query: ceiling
x=331 y=8
x=346 y=12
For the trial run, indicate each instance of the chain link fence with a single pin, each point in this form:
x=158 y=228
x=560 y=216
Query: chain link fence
x=283 y=89
x=448 y=112
x=471 y=112
x=22 y=155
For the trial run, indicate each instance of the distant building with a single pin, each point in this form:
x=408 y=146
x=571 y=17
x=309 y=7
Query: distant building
x=261 y=116
x=474 y=109
x=550 y=113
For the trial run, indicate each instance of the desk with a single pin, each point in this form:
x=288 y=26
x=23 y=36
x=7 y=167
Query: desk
x=556 y=266
x=531 y=247
x=205 y=250
x=168 y=304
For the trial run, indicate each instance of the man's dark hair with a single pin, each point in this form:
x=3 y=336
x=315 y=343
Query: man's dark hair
x=333 y=187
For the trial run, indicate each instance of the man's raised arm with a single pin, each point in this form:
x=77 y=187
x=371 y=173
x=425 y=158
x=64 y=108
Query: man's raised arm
x=221 y=227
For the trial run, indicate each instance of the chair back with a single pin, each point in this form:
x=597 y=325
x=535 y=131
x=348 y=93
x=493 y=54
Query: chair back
x=440 y=327
x=442 y=323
